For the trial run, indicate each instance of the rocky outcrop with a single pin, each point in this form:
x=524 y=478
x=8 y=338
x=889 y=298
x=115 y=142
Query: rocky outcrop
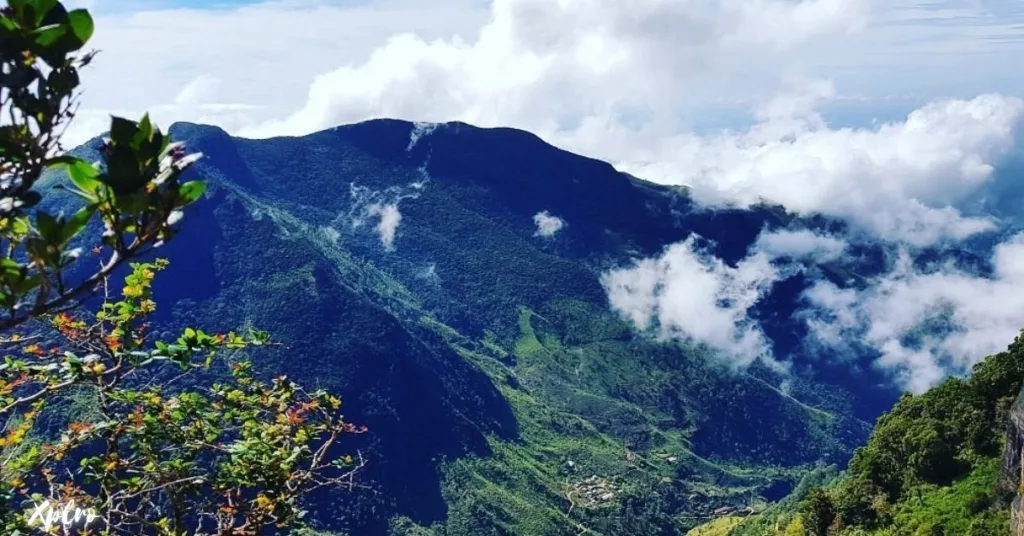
x=1011 y=475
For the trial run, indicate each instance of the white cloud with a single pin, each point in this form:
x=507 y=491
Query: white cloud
x=800 y=244
x=202 y=89
x=547 y=225
x=900 y=180
x=382 y=205
x=687 y=293
x=924 y=326
x=264 y=54
x=536 y=64
x=927 y=325
x=390 y=217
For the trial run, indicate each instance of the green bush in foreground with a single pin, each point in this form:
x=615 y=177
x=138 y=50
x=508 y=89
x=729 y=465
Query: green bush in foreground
x=236 y=457
x=137 y=453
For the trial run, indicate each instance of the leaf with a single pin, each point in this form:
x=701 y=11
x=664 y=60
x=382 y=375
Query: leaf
x=191 y=191
x=58 y=14
x=122 y=130
x=81 y=24
x=63 y=160
x=24 y=286
x=47 y=226
x=123 y=176
x=47 y=36
x=145 y=129
x=17 y=5
x=42 y=9
x=83 y=175
x=20 y=225
x=76 y=223
x=10 y=267
x=31 y=198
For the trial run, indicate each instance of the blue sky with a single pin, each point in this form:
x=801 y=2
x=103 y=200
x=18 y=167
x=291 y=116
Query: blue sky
x=107 y=6
x=885 y=58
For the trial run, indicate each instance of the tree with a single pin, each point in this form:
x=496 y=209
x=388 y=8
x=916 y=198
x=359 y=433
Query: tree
x=167 y=437
x=818 y=513
x=236 y=457
x=136 y=192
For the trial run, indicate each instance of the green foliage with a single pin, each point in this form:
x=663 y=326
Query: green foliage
x=238 y=456
x=933 y=439
x=785 y=514
x=135 y=191
x=960 y=508
x=583 y=387
x=722 y=526
x=930 y=467
x=818 y=514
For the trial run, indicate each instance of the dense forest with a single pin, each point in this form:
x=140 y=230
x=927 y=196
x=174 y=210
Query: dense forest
x=931 y=467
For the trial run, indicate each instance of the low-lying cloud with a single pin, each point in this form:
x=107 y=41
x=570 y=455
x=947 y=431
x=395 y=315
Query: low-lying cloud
x=926 y=326
x=922 y=324
x=687 y=293
x=800 y=244
x=900 y=180
x=547 y=225
x=382 y=206
x=390 y=217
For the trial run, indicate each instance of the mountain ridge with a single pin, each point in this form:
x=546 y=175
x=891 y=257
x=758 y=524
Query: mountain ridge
x=483 y=355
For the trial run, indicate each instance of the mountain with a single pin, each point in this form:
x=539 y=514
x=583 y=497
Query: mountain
x=447 y=281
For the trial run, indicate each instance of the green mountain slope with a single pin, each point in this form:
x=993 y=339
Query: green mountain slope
x=931 y=467
x=502 y=394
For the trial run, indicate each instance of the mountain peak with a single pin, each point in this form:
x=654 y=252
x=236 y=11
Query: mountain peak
x=186 y=131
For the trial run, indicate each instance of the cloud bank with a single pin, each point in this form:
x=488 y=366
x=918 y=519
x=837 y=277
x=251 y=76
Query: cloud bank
x=800 y=244
x=689 y=294
x=923 y=324
x=900 y=180
x=926 y=325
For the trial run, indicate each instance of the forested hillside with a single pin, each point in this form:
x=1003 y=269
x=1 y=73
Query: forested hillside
x=932 y=467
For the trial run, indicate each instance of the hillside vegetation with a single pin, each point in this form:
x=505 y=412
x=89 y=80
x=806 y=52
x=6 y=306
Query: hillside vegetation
x=930 y=467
